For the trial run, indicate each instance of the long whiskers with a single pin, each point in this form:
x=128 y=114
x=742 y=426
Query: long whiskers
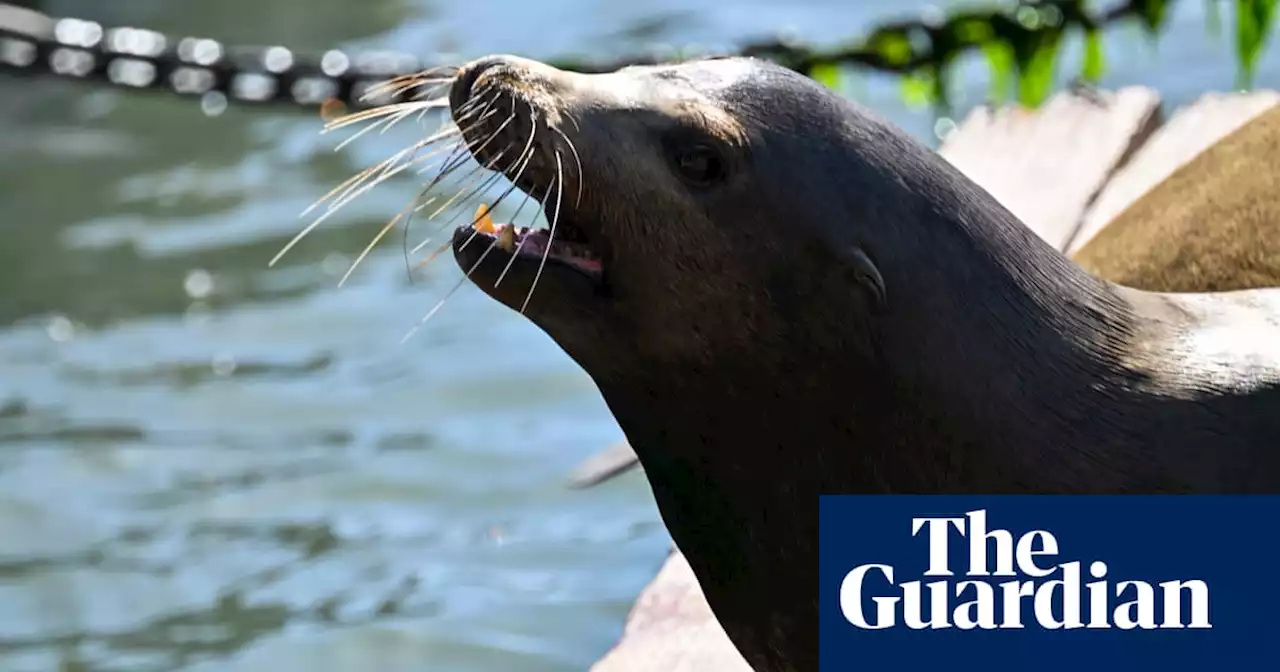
x=407 y=212
x=515 y=254
x=446 y=152
x=343 y=192
x=393 y=110
x=369 y=178
x=528 y=155
x=398 y=86
x=523 y=159
x=388 y=115
x=551 y=236
x=404 y=82
x=452 y=290
x=453 y=164
x=576 y=160
x=350 y=190
x=479 y=169
x=403 y=214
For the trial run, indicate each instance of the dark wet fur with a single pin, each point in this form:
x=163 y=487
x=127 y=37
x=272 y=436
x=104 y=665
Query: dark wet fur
x=748 y=367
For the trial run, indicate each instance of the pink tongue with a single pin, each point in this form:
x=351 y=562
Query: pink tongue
x=535 y=242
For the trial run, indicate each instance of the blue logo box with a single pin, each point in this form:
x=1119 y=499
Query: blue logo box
x=1042 y=583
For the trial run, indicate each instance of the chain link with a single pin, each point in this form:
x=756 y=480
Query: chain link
x=32 y=44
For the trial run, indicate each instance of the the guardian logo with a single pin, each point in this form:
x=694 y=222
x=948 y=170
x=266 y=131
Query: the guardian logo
x=1035 y=591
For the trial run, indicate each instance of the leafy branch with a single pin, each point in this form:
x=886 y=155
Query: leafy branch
x=1020 y=40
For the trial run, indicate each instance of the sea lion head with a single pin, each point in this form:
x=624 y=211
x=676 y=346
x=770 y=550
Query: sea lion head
x=676 y=193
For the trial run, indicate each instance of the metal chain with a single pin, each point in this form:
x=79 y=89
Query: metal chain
x=34 y=44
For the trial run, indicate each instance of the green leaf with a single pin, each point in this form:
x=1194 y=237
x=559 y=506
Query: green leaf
x=918 y=89
x=1000 y=56
x=827 y=74
x=1253 y=21
x=1094 y=63
x=1035 y=77
x=892 y=44
x=968 y=30
x=1153 y=14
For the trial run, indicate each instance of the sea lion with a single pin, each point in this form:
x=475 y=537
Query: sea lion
x=1211 y=226
x=779 y=294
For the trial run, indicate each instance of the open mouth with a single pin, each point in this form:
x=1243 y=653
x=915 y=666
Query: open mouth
x=569 y=247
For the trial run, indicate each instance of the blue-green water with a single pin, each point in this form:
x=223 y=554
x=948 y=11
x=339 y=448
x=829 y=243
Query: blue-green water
x=209 y=464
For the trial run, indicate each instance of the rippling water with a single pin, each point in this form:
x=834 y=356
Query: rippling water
x=209 y=464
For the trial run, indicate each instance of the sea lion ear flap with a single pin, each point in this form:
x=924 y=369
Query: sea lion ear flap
x=865 y=273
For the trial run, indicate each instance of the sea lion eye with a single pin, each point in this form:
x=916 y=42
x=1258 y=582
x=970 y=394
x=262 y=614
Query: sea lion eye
x=699 y=165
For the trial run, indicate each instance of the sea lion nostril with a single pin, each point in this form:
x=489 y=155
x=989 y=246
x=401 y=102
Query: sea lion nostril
x=467 y=77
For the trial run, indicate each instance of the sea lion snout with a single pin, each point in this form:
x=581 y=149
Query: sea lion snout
x=516 y=72
x=467 y=76
x=504 y=107
x=512 y=116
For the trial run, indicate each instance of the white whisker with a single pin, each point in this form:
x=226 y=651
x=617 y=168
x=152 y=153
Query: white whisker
x=385 y=165
x=382 y=111
x=475 y=232
x=576 y=160
x=359 y=185
x=394 y=119
x=494 y=134
x=391 y=223
x=512 y=260
x=435 y=309
x=402 y=83
x=490 y=178
x=455 y=145
x=551 y=236
x=525 y=157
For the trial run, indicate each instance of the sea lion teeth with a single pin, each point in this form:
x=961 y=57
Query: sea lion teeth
x=507 y=238
x=484 y=223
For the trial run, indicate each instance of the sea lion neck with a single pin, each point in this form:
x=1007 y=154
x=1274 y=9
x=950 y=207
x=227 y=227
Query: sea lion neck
x=1027 y=318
